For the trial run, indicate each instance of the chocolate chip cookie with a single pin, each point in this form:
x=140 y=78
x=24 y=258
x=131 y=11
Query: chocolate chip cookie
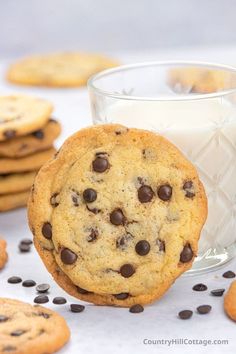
x=16 y=182
x=40 y=139
x=3 y=254
x=117 y=215
x=230 y=301
x=21 y=114
x=27 y=329
x=58 y=70
x=13 y=200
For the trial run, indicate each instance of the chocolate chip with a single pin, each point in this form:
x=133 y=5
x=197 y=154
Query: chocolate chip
x=217 y=292
x=54 y=200
x=26 y=241
x=100 y=164
x=161 y=245
x=14 y=280
x=3 y=318
x=68 y=256
x=200 y=287
x=229 y=274
x=41 y=299
x=24 y=247
x=204 y=309
x=185 y=314
x=123 y=241
x=136 y=308
x=164 y=192
x=127 y=270
x=28 y=283
x=187 y=254
x=59 y=300
x=145 y=194
x=89 y=195
x=121 y=296
x=117 y=217
x=142 y=247
x=47 y=230
x=38 y=134
x=75 y=198
x=189 y=189
x=42 y=288
x=93 y=235
x=44 y=315
x=82 y=291
x=9 y=134
x=93 y=210
x=77 y=308
x=18 y=333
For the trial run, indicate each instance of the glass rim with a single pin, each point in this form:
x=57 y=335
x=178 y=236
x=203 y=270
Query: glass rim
x=183 y=97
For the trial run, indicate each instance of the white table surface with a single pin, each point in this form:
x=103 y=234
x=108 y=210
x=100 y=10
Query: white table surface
x=114 y=330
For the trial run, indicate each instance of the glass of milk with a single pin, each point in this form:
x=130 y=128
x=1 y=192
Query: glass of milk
x=194 y=106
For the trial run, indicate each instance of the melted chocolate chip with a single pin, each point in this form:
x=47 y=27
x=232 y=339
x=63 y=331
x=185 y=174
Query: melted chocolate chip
x=121 y=296
x=44 y=315
x=47 y=230
x=41 y=299
x=38 y=134
x=145 y=194
x=123 y=241
x=93 y=210
x=189 y=189
x=82 y=291
x=187 y=254
x=93 y=235
x=127 y=270
x=142 y=248
x=136 y=308
x=54 y=200
x=217 y=292
x=9 y=134
x=59 y=300
x=14 y=280
x=75 y=198
x=185 y=314
x=161 y=245
x=229 y=274
x=117 y=217
x=100 y=164
x=200 y=287
x=77 y=308
x=164 y=192
x=204 y=309
x=89 y=195
x=3 y=318
x=68 y=256
x=18 y=333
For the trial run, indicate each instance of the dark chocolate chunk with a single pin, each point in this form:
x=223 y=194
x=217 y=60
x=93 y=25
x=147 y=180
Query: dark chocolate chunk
x=18 y=333
x=142 y=247
x=121 y=296
x=93 y=235
x=77 y=308
x=41 y=299
x=9 y=134
x=89 y=195
x=187 y=254
x=145 y=194
x=161 y=245
x=42 y=288
x=68 y=256
x=200 y=287
x=59 y=300
x=123 y=241
x=54 y=200
x=3 y=318
x=127 y=270
x=47 y=230
x=185 y=314
x=117 y=217
x=100 y=164
x=28 y=283
x=217 y=292
x=14 y=280
x=136 y=308
x=164 y=192
x=229 y=274
x=204 y=309
x=38 y=134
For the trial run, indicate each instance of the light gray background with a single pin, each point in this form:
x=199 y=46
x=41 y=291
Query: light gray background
x=106 y=25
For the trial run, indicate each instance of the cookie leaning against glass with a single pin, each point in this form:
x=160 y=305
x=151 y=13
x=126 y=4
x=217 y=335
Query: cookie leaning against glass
x=117 y=215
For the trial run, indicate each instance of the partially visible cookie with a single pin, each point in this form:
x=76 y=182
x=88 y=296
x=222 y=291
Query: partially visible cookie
x=27 y=329
x=38 y=140
x=16 y=182
x=58 y=70
x=13 y=201
x=230 y=301
x=117 y=215
x=27 y=163
x=21 y=114
x=3 y=254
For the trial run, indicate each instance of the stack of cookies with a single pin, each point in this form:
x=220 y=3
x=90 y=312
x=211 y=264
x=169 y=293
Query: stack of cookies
x=27 y=133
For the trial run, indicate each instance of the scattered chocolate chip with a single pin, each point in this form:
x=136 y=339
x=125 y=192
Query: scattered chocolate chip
x=18 y=333
x=77 y=308
x=136 y=308
x=187 y=254
x=204 y=309
x=117 y=217
x=127 y=270
x=142 y=247
x=47 y=230
x=24 y=247
x=14 y=280
x=217 y=292
x=200 y=287
x=189 y=189
x=145 y=194
x=164 y=192
x=38 y=134
x=161 y=244
x=121 y=296
x=41 y=299
x=54 y=200
x=3 y=318
x=26 y=241
x=229 y=274
x=9 y=134
x=59 y=300
x=68 y=256
x=93 y=210
x=28 y=283
x=123 y=241
x=82 y=291
x=185 y=314
x=75 y=198
x=100 y=164
x=93 y=235
x=89 y=195
x=42 y=288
